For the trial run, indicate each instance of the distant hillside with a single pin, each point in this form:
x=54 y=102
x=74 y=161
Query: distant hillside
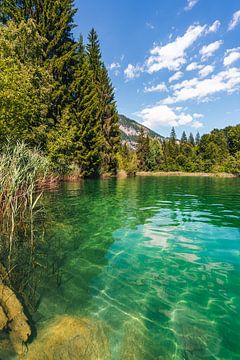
x=130 y=130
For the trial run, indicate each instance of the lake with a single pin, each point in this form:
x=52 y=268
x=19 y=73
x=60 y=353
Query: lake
x=156 y=259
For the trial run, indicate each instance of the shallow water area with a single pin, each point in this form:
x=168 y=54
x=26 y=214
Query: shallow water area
x=156 y=260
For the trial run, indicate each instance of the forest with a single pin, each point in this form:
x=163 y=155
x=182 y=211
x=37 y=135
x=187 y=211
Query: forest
x=218 y=151
x=56 y=96
x=55 y=92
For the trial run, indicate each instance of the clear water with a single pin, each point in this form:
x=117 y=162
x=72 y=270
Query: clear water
x=156 y=259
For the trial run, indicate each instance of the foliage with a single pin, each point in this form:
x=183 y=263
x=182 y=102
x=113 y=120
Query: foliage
x=127 y=160
x=214 y=152
x=25 y=86
x=54 y=93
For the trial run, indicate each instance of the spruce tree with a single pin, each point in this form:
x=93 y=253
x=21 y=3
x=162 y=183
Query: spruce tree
x=191 y=139
x=143 y=150
x=173 y=135
x=108 y=116
x=184 y=137
x=173 y=147
x=197 y=138
x=85 y=109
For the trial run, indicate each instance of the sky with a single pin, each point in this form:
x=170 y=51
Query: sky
x=172 y=63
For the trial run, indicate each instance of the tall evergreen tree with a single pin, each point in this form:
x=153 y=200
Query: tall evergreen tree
x=173 y=147
x=184 y=137
x=143 y=151
x=197 y=138
x=86 y=111
x=173 y=135
x=108 y=112
x=191 y=139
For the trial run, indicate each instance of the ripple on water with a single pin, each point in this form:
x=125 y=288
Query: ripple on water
x=157 y=260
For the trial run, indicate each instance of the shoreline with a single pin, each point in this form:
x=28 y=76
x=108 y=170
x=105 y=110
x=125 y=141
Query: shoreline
x=181 y=173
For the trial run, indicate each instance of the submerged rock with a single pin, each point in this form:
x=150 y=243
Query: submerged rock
x=133 y=340
x=69 y=338
x=13 y=316
x=3 y=319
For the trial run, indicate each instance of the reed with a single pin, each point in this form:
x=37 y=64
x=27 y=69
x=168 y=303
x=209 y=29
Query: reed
x=21 y=169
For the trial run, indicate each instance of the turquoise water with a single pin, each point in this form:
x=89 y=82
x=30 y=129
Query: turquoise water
x=156 y=259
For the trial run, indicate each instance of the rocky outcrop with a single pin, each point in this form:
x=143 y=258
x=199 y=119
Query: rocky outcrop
x=13 y=318
x=69 y=338
x=3 y=319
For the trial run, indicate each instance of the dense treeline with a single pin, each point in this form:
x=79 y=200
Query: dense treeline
x=55 y=92
x=218 y=151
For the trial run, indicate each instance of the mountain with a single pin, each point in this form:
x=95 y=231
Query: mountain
x=130 y=130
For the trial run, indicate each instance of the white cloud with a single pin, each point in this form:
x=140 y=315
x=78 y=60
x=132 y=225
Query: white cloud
x=162 y=115
x=197 y=116
x=201 y=89
x=158 y=88
x=193 y=66
x=132 y=71
x=208 y=50
x=150 y=25
x=231 y=56
x=208 y=69
x=173 y=55
x=197 y=124
x=214 y=27
x=190 y=4
x=235 y=20
x=114 y=66
x=176 y=76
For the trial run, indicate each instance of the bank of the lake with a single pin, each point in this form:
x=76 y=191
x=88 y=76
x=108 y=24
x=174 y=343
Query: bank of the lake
x=180 y=173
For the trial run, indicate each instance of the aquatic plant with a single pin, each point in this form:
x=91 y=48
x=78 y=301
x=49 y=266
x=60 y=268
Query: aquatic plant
x=21 y=170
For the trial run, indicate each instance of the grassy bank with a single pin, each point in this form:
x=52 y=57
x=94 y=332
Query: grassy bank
x=181 y=173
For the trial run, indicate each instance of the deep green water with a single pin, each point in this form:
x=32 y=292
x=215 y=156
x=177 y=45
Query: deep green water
x=156 y=259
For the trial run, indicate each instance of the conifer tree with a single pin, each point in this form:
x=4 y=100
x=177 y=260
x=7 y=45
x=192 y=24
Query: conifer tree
x=173 y=135
x=86 y=109
x=184 y=137
x=191 y=139
x=173 y=147
x=197 y=138
x=108 y=116
x=143 y=150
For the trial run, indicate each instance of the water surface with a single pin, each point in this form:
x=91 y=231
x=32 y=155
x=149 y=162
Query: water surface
x=156 y=259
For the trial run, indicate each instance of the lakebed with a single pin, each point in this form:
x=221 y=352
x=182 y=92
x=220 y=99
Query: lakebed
x=153 y=260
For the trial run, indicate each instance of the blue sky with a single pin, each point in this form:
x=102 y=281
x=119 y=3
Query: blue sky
x=172 y=63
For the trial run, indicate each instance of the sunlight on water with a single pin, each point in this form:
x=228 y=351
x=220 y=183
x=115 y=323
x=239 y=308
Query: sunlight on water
x=157 y=260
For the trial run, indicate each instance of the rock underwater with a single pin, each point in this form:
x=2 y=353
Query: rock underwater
x=69 y=338
x=13 y=318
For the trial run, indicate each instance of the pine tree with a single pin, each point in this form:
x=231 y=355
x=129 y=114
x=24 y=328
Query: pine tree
x=191 y=139
x=197 y=138
x=173 y=147
x=108 y=112
x=86 y=110
x=173 y=135
x=184 y=137
x=110 y=126
x=143 y=151
x=94 y=55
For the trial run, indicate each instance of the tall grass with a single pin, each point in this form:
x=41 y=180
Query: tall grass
x=21 y=169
